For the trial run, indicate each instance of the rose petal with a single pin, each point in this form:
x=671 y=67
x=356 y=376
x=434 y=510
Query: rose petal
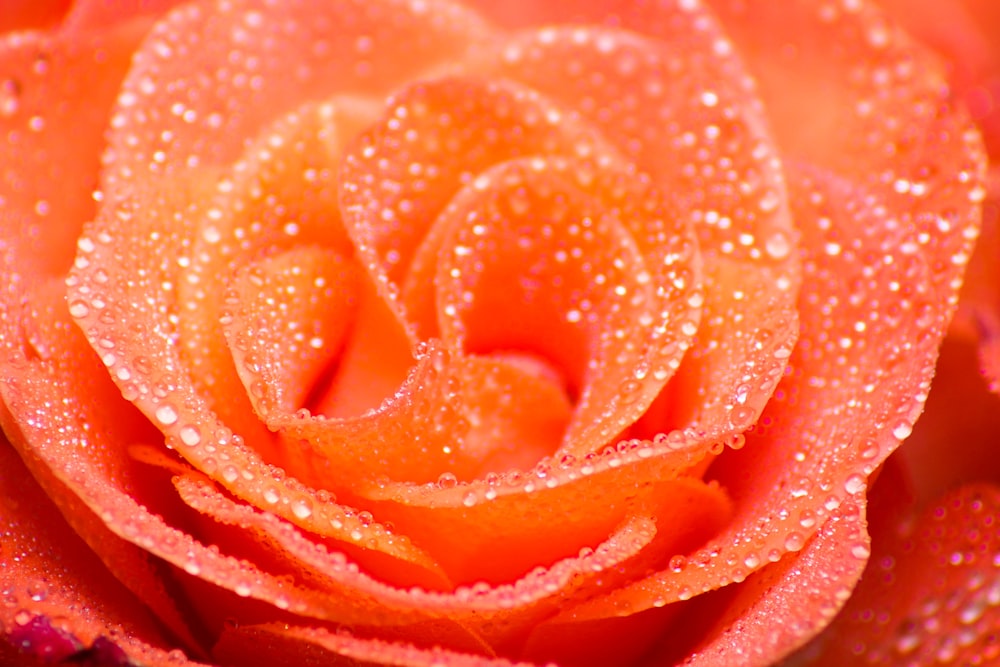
x=56 y=606
x=930 y=592
x=59 y=448
x=777 y=608
x=897 y=100
x=966 y=33
x=509 y=434
x=279 y=194
x=608 y=301
x=601 y=642
x=435 y=137
x=816 y=442
x=292 y=312
x=210 y=127
x=296 y=645
x=885 y=116
x=26 y=15
x=979 y=307
x=373 y=367
x=58 y=144
x=96 y=15
x=465 y=127
x=502 y=613
x=649 y=98
x=961 y=410
x=158 y=159
x=102 y=490
x=502 y=529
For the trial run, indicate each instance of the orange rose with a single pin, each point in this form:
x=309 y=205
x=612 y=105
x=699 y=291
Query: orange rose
x=412 y=332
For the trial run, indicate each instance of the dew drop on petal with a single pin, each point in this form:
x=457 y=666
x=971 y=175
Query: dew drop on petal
x=794 y=541
x=902 y=430
x=271 y=496
x=190 y=436
x=166 y=414
x=678 y=563
x=79 y=309
x=860 y=551
x=854 y=484
x=302 y=508
x=778 y=246
x=10 y=98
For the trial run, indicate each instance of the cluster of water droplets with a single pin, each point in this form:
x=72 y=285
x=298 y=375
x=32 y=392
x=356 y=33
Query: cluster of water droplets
x=931 y=594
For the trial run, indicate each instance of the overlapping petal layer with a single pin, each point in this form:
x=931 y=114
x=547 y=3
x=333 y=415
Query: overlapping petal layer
x=930 y=592
x=60 y=601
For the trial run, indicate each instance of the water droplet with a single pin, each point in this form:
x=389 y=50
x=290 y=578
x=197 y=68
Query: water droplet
x=794 y=541
x=211 y=234
x=947 y=650
x=38 y=590
x=190 y=435
x=78 y=309
x=166 y=414
x=10 y=97
x=302 y=508
x=778 y=245
x=868 y=448
x=854 y=484
x=742 y=416
x=973 y=612
x=902 y=430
